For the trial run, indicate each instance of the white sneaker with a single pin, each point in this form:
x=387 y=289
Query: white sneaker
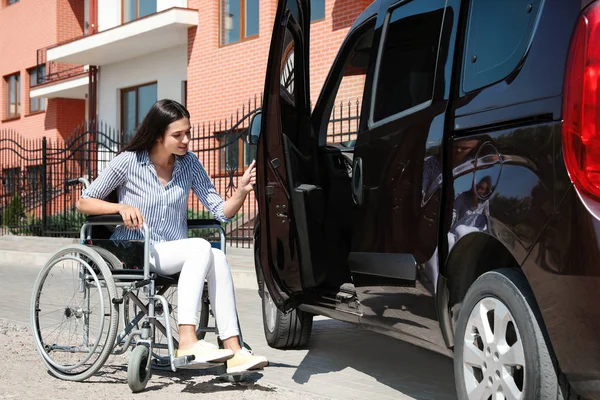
x=206 y=353
x=204 y=343
x=244 y=360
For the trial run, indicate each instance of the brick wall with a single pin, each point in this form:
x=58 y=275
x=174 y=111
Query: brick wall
x=26 y=27
x=326 y=38
x=222 y=78
x=64 y=115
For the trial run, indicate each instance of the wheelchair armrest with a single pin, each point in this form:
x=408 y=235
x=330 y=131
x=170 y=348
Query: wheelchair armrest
x=199 y=223
x=105 y=219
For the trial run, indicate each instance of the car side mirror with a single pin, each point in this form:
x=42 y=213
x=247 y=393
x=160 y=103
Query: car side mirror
x=254 y=128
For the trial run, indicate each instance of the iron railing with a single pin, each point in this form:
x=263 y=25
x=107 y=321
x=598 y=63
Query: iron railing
x=51 y=71
x=34 y=199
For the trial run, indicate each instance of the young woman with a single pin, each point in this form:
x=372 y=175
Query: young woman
x=153 y=176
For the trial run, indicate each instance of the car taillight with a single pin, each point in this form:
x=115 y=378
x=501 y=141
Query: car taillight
x=581 y=112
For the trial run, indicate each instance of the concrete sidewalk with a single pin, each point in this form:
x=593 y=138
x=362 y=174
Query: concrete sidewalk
x=341 y=361
x=35 y=251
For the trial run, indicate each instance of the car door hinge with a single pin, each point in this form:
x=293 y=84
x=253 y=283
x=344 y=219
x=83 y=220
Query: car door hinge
x=269 y=190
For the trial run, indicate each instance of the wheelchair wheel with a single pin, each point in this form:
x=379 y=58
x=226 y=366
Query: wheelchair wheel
x=138 y=370
x=73 y=317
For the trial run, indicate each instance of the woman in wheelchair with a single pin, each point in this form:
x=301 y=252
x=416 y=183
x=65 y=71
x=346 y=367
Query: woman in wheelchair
x=153 y=176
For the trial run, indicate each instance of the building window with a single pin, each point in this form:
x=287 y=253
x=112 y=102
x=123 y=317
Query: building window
x=10 y=2
x=10 y=179
x=13 y=96
x=134 y=9
x=317 y=10
x=135 y=104
x=37 y=76
x=34 y=178
x=236 y=153
x=239 y=20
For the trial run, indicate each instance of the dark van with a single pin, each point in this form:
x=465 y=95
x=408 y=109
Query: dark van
x=464 y=215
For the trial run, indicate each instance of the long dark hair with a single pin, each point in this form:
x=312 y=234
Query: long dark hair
x=155 y=124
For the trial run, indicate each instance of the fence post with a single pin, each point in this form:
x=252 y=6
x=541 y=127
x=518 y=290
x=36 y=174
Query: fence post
x=44 y=185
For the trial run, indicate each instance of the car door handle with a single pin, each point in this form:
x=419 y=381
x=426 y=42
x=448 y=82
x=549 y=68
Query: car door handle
x=357 y=181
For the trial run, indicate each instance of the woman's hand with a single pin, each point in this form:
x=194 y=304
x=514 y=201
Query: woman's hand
x=132 y=217
x=249 y=178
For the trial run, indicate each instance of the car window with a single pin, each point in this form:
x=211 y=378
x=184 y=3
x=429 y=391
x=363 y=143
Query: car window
x=406 y=68
x=498 y=35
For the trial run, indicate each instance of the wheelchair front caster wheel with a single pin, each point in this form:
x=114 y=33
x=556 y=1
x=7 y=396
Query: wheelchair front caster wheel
x=138 y=370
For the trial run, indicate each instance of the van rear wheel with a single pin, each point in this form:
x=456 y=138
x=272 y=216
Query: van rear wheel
x=500 y=346
x=285 y=331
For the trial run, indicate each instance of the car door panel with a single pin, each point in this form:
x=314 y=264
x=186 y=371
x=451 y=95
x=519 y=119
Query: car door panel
x=396 y=228
x=285 y=161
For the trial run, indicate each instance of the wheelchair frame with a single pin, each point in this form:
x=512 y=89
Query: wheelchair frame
x=100 y=268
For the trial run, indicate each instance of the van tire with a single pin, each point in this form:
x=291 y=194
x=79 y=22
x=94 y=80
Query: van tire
x=508 y=288
x=285 y=330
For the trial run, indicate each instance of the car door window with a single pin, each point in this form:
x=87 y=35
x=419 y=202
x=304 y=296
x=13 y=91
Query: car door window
x=498 y=35
x=407 y=59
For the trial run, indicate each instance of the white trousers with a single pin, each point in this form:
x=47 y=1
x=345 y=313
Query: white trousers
x=198 y=261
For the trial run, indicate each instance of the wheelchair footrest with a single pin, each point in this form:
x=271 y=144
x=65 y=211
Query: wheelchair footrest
x=187 y=362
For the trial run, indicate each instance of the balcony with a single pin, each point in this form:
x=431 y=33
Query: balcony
x=63 y=81
x=153 y=33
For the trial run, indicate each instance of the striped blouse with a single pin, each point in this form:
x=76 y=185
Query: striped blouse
x=164 y=208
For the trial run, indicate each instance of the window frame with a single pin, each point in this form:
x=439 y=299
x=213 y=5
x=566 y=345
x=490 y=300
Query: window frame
x=380 y=48
x=137 y=11
x=8 y=116
x=243 y=38
x=122 y=96
x=41 y=102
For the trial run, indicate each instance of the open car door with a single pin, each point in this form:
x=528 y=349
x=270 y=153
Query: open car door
x=289 y=197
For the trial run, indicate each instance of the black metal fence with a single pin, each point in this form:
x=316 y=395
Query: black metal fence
x=35 y=200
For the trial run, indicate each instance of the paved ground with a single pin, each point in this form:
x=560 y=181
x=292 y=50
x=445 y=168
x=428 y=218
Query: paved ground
x=342 y=361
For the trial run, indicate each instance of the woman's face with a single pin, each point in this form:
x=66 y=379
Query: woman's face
x=177 y=137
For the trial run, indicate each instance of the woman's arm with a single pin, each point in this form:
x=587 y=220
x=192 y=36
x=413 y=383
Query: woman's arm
x=92 y=206
x=235 y=202
x=112 y=177
x=205 y=190
x=132 y=217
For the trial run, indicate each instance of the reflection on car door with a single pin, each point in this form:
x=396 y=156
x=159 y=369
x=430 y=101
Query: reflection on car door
x=398 y=168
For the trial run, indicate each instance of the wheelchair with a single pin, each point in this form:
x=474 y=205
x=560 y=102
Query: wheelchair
x=86 y=291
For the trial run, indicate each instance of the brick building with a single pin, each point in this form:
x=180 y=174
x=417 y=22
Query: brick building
x=188 y=50
x=63 y=62
x=26 y=27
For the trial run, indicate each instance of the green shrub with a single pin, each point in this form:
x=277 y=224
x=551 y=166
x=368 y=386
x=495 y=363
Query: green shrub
x=70 y=221
x=14 y=214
